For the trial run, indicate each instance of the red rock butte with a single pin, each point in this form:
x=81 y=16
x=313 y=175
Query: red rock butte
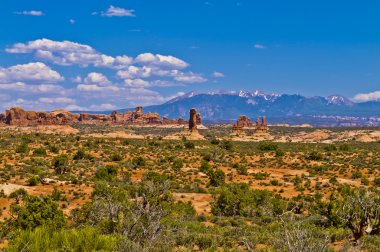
x=20 y=117
x=261 y=126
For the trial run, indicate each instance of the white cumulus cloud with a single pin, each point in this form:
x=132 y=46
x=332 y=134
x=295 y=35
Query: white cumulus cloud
x=363 y=97
x=113 y=11
x=36 y=71
x=97 y=78
x=161 y=60
x=68 y=53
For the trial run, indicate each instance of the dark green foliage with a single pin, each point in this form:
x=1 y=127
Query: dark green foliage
x=240 y=168
x=37 y=211
x=107 y=173
x=238 y=199
x=116 y=157
x=138 y=161
x=189 y=145
x=280 y=153
x=177 y=164
x=33 y=181
x=39 y=152
x=315 y=156
x=61 y=164
x=54 y=148
x=356 y=209
x=214 y=141
x=376 y=182
x=81 y=154
x=217 y=177
x=331 y=147
x=226 y=145
x=267 y=146
x=205 y=167
x=22 y=148
x=344 y=147
x=356 y=174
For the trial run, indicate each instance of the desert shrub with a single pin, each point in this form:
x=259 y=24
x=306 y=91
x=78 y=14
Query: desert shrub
x=116 y=157
x=280 y=153
x=46 y=238
x=22 y=148
x=260 y=175
x=344 y=147
x=376 y=182
x=189 y=145
x=205 y=167
x=214 y=141
x=33 y=181
x=54 y=148
x=356 y=209
x=138 y=161
x=315 y=155
x=39 y=152
x=331 y=147
x=267 y=146
x=177 y=164
x=80 y=154
x=37 y=211
x=297 y=237
x=107 y=173
x=217 y=177
x=56 y=194
x=239 y=199
x=61 y=164
x=226 y=145
x=241 y=169
x=356 y=174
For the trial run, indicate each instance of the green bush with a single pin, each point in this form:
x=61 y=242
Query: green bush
x=37 y=211
x=22 y=148
x=107 y=173
x=46 y=238
x=189 y=145
x=267 y=146
x=315 y=156
x=138 y=161
x=239 y=199
x=226 y=145
x=39 y=152
x=61 y=164
x=33 y=181
x=217 y=177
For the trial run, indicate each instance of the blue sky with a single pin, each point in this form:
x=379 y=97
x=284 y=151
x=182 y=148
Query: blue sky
x=114 y=54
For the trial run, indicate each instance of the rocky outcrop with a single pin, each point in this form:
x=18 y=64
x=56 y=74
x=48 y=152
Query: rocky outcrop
x=20 y=117
x=193 y=120
x=261 y=126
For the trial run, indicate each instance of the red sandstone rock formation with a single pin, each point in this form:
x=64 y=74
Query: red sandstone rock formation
x=262 y=126
x=20 y=117
x=242 y=122
x=193 y=120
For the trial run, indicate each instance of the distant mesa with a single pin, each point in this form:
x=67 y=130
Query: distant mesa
x=20 y=117
x=243 y=122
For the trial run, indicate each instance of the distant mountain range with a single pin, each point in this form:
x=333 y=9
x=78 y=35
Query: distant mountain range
x=228 y=105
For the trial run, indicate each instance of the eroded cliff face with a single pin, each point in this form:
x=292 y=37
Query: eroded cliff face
x=20 y=117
